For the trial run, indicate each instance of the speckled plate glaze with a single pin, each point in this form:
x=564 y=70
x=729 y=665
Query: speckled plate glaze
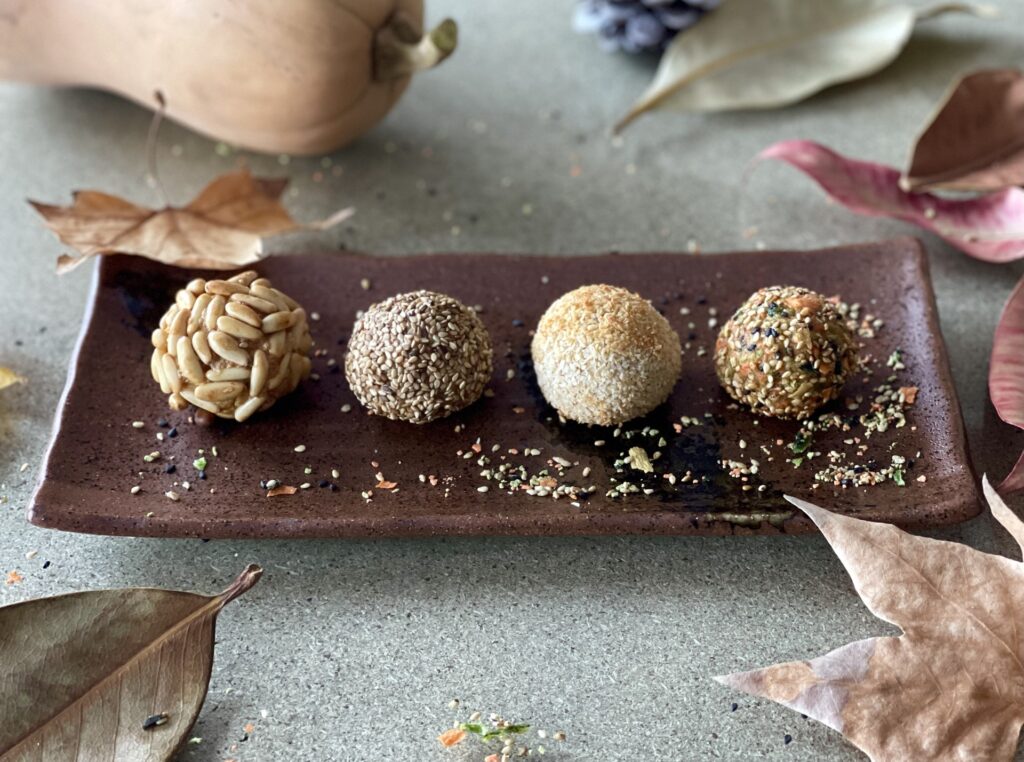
x=96 y=456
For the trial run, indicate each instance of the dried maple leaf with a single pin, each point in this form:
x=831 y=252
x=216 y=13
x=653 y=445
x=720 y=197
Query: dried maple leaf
x=952 y=685
x=222 y=228
x=8 y=378
x=975 y=141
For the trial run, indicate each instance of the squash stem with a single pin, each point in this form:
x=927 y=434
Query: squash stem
x=400 y=51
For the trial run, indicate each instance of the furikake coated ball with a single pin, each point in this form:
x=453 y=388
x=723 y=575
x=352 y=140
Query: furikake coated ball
x=230 y=347
x=786 y=352
x=604 y=355
x=417 y=357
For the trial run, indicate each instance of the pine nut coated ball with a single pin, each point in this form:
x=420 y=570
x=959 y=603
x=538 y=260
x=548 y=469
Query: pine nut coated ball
x=230 y=347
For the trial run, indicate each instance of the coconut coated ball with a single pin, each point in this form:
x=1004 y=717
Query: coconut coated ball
x=604 y=355
x=230 y=347
x=419 y=356
x=785 y=353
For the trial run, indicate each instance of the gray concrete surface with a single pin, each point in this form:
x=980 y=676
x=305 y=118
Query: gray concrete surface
x=351 y=650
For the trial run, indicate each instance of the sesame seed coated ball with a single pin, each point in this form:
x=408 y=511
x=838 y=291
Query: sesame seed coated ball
x=419 y=356
x=604 y=355
x=230 y=347
x=785 y=353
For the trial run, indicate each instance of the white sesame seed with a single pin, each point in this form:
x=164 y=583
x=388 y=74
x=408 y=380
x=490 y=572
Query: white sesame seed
x=300 y=448
x=172 y=495
x=137 y=424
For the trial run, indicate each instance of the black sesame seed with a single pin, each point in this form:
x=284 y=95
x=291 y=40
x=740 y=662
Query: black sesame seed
x=517 y=323
x=202 y=476
x=787 y=739
x=154 y=720
x=172 y=433
x=324 y=484
x=735 y=707
x=334 y=487
x=162 y=423
x=46 y=564
x=170 y=468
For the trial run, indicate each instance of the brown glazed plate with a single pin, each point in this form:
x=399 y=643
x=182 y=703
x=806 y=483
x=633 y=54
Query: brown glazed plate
x=96 y=456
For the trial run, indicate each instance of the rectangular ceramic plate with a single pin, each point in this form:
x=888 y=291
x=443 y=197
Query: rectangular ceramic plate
x=96 y=456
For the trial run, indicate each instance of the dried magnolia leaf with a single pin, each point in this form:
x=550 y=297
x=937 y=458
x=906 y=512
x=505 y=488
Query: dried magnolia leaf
x=222 y=228
x=110 y=674
x=1006 y=376
x=976 y=139
x=952 y=685
x=8 y=378
x=989 y=228
x=754 y=54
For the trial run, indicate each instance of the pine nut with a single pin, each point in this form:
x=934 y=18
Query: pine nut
x=260 y=305
x=197 y=286
x=260 y=282
x=227 y=348
x=225 y=288
x=281 y=374
x=214 y=311
x=232 y=373
x=271 y=295
x=260 y=367
x=219 y=391
x=202 y=346
x=188 y=361
x=247 y=408
x=278 y=321
x=158 y=339
x=202 y=404
x=185 y=299
x=177 y=402
x=237 y=328
x=179 y=327
x=244 y=278
x=243 y=312
x=170 y=369
x=277 y=344
x=195 y=320
x=156 y=367
x=295 y=370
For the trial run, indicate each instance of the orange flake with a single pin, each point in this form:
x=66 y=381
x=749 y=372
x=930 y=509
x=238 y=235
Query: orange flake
x=518 y=410
x=451 y=737
x=382 y=483
x=249 y=728
x=909 y=394
x=476 y=447
x=13 y=577
x=433 y=480
x=492 y=758
x=548 y=481
x=282 y=489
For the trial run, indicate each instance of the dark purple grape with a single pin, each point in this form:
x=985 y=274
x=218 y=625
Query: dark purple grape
x=637 y=26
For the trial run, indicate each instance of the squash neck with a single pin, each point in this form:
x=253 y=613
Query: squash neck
x=400 y=50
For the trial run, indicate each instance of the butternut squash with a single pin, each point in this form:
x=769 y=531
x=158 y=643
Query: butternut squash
x=282 y=76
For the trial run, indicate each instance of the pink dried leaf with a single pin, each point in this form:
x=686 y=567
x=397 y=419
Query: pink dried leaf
x=1006 y=375
x=975 y=141
x=989 y=228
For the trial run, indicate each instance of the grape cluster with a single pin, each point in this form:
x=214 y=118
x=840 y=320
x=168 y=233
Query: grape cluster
x=636 y=26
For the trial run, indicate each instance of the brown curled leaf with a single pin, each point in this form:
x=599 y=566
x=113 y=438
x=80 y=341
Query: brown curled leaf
x=952 y=685
x=221 y=229
x=108 y=674
x=975 y=141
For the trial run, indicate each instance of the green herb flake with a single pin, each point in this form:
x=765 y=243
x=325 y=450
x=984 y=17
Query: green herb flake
x=199 y=463
x=897 y=476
